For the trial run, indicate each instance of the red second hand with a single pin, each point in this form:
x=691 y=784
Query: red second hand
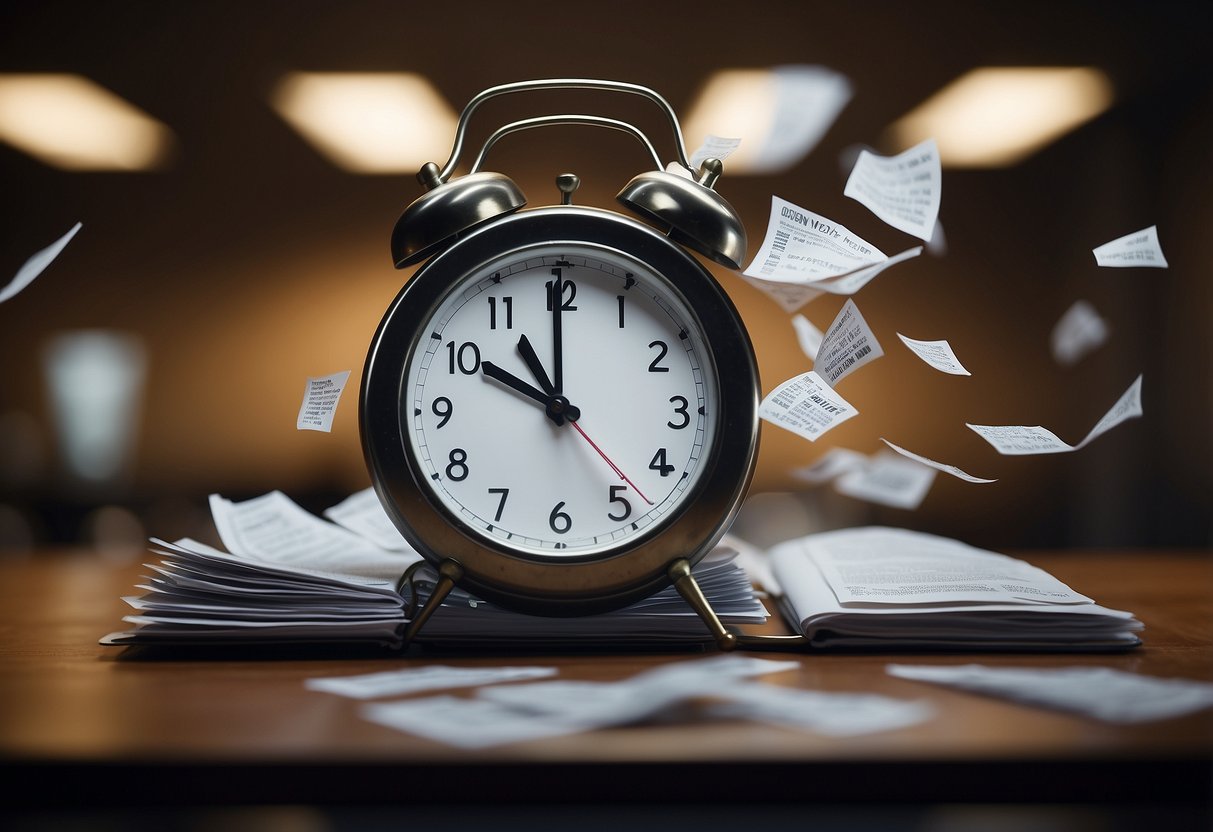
x=614 y=467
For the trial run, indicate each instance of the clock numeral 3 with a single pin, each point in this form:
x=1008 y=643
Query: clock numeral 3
x=659 y=464
x=457 y=470
x=626 y=511
x=681 y=410
x=558 y=520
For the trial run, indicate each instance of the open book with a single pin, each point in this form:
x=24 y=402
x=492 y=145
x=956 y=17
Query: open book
x=890 y=589
x=290 y=577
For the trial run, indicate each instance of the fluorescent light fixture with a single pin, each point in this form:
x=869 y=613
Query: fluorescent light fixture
x=780 y=114
x=70 y=122
x=997 y=116
x=368 y=122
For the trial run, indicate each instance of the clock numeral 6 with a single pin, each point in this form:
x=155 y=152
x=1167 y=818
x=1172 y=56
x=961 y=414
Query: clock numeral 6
x=467 y=358
x=558 y=520
x=626 y=511
x=457 y=470
x=659 y=464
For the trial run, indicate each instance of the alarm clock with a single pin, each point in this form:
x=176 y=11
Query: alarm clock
x=559 y=410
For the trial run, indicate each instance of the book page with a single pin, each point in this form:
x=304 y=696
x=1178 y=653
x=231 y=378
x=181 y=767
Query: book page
x=896 y=566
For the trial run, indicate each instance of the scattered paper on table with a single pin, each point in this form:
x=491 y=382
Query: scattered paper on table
x=427 y=677
x=833 y=463
x=808 y=335
x=1141 y=248
x=849 y=343
x=1021 y=440
x=938 y=354
x=903 y=190
x=713 y=147
x=37 y=264
x=805 y=254
x=832 y=714
x=1079 y=331
x=938 y=466
x=887 y=479
x=878 y=565
x=363 y=514
x=522 y=712
x=320 y=398
x=806 y=405
x=1099 y=692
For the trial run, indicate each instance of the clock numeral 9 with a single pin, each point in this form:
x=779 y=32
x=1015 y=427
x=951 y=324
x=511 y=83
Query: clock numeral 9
x=626 y=511
x=662 y=349
x=467 y=351
x=681 y=410
x=659 y=464
x=558 y=520
x=457 y=470
x=443 y=409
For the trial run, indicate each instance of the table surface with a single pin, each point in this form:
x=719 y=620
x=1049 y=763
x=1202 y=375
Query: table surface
x=242 y=728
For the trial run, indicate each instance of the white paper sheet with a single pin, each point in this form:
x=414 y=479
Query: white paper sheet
x=938 y=466
x=805 y=254
x=937 y=246
x=362 y=513
x=903 y=190
x=806 y=405
x=274 y=528
x=37 y=264
x=878 y=565
x=807 y=335
x=1079 y=332
x=937 y=354
x=834 y=463
x=320 y=397
x=889 y=480
x=831 y=714
x=427 y=677
x=808 y=100
x=713 y=147
x=1099 y=692
x=1141 y=248
x=1021 y=440
x=849 y=343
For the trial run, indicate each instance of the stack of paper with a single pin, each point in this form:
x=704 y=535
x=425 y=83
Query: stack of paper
x=292 y=577
x=890 y=588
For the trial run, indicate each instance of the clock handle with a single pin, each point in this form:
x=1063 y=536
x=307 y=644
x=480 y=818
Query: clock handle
x=555 y=84
x=545 y=121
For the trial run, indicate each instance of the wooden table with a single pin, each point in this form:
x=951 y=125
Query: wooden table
x=109 y=729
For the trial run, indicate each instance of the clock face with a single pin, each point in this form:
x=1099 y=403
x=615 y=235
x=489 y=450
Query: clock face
x=560 y=401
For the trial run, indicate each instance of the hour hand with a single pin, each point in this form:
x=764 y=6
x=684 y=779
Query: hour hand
x=532 y=361
x=513 y=382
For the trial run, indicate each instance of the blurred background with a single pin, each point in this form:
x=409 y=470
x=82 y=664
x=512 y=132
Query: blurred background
x=236 y=219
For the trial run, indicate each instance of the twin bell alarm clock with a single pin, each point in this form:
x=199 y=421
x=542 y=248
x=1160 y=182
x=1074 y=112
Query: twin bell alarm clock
x=560 y=408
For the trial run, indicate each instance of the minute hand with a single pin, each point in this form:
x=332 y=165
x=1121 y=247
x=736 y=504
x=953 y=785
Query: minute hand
x=557 y=299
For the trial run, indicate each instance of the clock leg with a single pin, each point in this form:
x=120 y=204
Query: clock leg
x=688 y=588
x=448 y=573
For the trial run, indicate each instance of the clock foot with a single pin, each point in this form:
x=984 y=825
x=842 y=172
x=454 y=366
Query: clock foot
x=448 y=573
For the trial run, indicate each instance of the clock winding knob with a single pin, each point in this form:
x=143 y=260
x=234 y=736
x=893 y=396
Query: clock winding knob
x=567 y=183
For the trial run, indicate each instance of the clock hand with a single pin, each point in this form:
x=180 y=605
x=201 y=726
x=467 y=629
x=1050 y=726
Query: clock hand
x=532 y=361
x=614 y=467
x=558 y=407
x=557 y=340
